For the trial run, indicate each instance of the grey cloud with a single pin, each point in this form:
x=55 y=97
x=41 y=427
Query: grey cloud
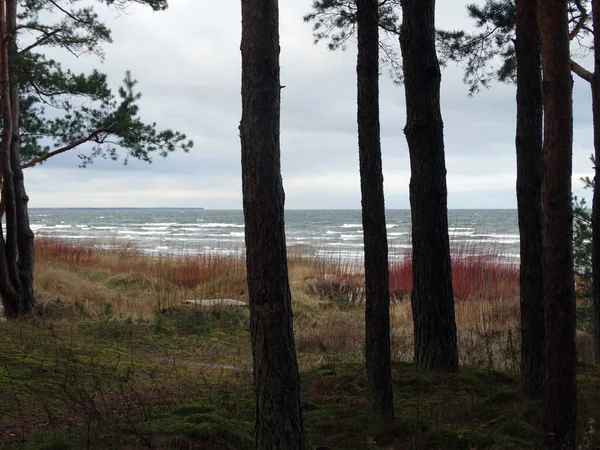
x=187 y=61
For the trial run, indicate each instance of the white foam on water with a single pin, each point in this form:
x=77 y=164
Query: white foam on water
x=142 y=233
x=219 y=225
x=350 y=237
x=501 y=236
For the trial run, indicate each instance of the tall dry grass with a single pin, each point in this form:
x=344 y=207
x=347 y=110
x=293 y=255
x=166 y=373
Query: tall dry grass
x=327 y=296
x=85 y=275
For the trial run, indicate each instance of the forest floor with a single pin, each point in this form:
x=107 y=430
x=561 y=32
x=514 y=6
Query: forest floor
x=116 y=359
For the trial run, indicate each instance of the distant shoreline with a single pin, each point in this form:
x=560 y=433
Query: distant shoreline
x=192 y=208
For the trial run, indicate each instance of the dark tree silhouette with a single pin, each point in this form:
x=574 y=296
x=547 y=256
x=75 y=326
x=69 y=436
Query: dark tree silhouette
x=596 y=185
x=377 y=309
x=559 y=394
x=529 y=182
x=276 y=379
x=436 y=345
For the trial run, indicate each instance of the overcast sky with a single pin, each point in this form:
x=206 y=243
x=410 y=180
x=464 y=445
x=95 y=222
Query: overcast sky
x=187 y=61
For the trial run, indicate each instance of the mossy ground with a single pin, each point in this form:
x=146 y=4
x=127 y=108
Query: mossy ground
x=182 y=380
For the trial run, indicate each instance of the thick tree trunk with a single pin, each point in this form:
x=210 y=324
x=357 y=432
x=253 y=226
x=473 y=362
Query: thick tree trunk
x=529 y=179
x=377 y=309
x=24 y=234
x=432 y=297
x=559 y=396
x=276 y=379
x=596 y=196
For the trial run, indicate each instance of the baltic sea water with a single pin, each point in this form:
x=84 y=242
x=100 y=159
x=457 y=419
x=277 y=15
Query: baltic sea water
x=335 y=234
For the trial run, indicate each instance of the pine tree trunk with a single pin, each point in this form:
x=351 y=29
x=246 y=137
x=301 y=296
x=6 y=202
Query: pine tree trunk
x=529 y=178
x=377 y=308
x=9 y=275
x=596 y=196
x=276 y=379
x=24 y=234
x=559 y=394
x=432 y=297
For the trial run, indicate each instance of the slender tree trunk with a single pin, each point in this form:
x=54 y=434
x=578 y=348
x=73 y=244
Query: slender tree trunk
x=432 y=297
x=559 y=396
x=276 y=379
x=529 y=181
x=596 y=197
x=24 y=235
x=377 y=309
x=9 y=277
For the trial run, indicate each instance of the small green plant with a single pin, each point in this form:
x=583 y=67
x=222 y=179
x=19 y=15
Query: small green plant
x=58 y=312
x=344 y=302
x=108 y=311
x=582 y=247
x=159 y=322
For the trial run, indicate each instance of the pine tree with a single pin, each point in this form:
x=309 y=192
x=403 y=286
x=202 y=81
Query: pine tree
x=495 y=59
x=434 y=320
x=528 y=143
x=32 y=85
x=276 y=378
x=560 y=393
x=335 y=21
x=596 y=183
x=377 y=308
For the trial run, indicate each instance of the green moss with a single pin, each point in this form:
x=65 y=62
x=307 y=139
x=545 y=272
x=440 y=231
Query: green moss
x=64 y=369
x=124 y=282
x=188 y=410
x=203 y=427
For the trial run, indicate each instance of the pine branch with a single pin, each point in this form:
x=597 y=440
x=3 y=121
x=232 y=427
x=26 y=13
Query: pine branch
x=581 y=22
x=92 y=136
x=42 y=40
x=581 y=71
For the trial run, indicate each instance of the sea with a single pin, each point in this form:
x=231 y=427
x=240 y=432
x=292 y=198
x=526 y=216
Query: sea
x=330 y=234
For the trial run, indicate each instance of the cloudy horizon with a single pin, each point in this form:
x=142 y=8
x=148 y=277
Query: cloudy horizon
x=187 y=62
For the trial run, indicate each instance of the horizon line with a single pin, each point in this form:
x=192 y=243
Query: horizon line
x=199 y=208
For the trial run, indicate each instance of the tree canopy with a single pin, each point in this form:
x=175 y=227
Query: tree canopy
x=335 y=22
x=61 y=109
x=488 y=53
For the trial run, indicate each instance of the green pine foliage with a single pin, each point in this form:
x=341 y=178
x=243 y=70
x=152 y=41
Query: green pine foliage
x=62 y=110
x=488 y=53
x=582 y=246
x=334 y=21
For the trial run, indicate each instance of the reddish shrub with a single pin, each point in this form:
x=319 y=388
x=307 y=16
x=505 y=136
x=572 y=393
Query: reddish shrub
x=51 y=249
x=483 y=276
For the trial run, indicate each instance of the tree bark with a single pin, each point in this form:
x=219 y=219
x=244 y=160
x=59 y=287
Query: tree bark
x=276 y=378
x=432 y=296
x=559 y=394
x=377 y=308
x=24 y=234
x=529 y=180
x=9 y=275
x=596 y=196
